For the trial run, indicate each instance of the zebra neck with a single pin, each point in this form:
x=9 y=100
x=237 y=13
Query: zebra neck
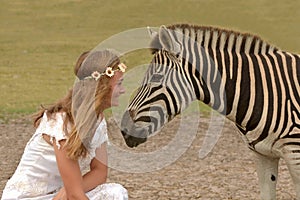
x=239 y=75
x=224 y=73
x=219 y=55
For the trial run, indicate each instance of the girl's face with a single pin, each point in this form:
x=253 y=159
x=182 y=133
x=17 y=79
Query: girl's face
x=117 y=88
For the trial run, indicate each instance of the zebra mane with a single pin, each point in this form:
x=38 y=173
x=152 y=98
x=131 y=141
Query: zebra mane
x=155 y=43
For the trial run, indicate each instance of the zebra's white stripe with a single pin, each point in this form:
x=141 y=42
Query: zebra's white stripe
x=289 y=114
x=200 y=50
x=214 y=49
x=232 y=114
x=194 y=61
x=224 y=73
x=210 y=62
x=254 y=134
x=229 y=49
x=274 y=89
x=186 y=64
x=294 y=101
x=252 y=83
x=283 y=94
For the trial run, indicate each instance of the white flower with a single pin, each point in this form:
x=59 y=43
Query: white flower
x=122 y=67
x=96 y=75
x=109 y=72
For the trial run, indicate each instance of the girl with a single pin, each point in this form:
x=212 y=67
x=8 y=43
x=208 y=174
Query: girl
x=66 y=157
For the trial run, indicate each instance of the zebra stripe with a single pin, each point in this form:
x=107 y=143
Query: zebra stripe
x=252 y=83
x=258 y=65
x=239 y=43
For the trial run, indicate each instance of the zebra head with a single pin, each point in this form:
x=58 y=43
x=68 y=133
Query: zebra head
x=165 y=90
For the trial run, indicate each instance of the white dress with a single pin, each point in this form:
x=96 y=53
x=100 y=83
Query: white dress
x=37 y=176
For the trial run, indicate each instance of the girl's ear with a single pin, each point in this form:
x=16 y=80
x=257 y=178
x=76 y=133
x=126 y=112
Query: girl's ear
x=151 y=33
x=166 y=38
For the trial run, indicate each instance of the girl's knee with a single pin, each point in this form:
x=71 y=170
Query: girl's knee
x=118 y=188
x=112 y=191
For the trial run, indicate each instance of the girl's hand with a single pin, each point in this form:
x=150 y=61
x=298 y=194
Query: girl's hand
x=61 y=195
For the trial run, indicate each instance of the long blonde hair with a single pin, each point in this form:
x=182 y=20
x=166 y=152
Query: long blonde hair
x=84 y=102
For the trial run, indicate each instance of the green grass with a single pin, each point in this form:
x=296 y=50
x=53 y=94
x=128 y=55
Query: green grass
x=41 y=40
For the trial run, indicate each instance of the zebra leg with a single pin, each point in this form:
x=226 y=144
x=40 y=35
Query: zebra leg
x=267 y=171
x=295 y=174
x=292 y=159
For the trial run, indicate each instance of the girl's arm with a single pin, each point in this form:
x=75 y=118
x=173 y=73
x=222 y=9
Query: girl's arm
x=70 y=174
x=96 y=176
x=98 y=170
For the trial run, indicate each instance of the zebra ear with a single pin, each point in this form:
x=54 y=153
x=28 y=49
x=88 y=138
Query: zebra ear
x=151 y=33
x=167 y=42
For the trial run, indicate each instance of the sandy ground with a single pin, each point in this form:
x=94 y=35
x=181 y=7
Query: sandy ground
x=227 y=173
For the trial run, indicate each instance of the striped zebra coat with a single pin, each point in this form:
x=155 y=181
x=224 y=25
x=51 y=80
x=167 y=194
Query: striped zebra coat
x=252 y=83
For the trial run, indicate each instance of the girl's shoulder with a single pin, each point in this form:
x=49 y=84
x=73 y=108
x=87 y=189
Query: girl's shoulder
x=53 y=120
x=100 y=135
x=56 y=116
x=52 y=124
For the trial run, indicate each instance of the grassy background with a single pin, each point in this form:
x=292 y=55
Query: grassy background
x=41 y=40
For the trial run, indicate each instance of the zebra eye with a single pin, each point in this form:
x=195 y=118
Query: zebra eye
x=156 y=78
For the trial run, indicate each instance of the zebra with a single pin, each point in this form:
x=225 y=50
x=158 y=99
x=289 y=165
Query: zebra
x=252 y=83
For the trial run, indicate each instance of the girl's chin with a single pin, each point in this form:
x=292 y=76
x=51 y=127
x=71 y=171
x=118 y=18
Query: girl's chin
x=115 y=104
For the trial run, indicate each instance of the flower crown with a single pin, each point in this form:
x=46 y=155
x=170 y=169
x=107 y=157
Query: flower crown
x=108 y=72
